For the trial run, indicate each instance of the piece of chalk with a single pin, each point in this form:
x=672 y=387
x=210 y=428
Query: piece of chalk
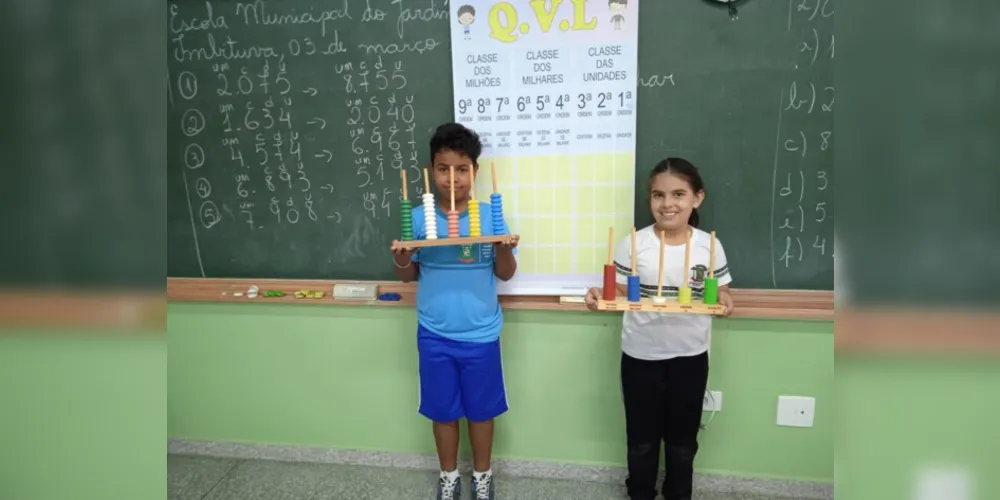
x=659 y=299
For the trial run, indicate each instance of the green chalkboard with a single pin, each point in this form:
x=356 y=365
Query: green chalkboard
x=750 y=102
x=288 y=124
x=348 y=92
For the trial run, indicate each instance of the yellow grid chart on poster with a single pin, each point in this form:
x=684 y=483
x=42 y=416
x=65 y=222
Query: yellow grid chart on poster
x=562 y=206
x=550 y=88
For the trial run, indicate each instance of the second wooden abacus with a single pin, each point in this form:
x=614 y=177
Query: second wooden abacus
x=683 y=303
x=452 y=236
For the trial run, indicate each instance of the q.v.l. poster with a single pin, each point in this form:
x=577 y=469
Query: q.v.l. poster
x=550 y=87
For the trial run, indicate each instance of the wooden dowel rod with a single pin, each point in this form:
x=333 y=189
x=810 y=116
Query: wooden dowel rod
x=451 y=175
x=493 y=172
x=687 y=259
x=402 y=172
x=427 y=182
x=711 y=257
x=611 y=245
x=632 y=252
x=472 y=182
x=659 y=279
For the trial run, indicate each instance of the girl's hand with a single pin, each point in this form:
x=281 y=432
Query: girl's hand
x=593 y=295
x=726 y=300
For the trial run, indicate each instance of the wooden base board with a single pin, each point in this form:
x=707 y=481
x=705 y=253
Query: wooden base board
x=647 y=304
x=443 y=242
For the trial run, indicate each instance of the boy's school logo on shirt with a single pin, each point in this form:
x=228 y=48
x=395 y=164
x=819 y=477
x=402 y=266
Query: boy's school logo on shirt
x=700 y=272
x=465 y=254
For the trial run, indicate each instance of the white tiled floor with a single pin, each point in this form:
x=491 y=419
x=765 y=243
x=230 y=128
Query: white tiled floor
x=203 y=478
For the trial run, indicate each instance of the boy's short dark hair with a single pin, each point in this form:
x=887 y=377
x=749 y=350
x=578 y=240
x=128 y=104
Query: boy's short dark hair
x=467 y=9
x=457 y=138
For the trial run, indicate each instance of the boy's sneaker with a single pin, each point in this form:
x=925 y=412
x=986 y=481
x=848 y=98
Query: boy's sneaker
x=482 y=487
x=449 y=488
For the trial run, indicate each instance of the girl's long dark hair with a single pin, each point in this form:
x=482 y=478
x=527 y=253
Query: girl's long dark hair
x=684 y=169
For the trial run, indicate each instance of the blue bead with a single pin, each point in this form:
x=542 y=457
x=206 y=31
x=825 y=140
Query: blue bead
x=633 y=289
x=496 y=206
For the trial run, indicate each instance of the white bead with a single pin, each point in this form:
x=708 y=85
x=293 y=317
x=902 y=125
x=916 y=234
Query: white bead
x=430 y=218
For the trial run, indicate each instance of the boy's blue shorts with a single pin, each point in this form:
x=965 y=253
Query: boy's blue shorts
x=459 y=379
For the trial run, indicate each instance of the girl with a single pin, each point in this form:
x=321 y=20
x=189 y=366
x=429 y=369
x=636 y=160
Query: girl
x=664 y=364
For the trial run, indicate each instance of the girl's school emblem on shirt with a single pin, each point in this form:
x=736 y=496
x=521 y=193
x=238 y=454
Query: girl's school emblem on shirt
x=465 y=254
x=700 y=273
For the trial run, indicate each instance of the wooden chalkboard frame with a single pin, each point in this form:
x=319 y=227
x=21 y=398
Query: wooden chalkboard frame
x=883 y=331
x=773 y=304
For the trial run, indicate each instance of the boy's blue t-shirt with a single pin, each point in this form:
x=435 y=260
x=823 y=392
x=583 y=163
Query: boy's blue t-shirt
x=456 y=287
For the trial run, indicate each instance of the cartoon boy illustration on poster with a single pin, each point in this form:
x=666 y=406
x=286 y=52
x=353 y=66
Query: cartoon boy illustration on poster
x=617 y=7
x=466 y=16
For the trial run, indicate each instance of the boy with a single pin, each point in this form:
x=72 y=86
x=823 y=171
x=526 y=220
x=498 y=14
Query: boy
x=617 y=7
x=458 y=317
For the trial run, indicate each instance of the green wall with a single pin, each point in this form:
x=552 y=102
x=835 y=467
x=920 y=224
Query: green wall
x=82 y=415
x=346 y=377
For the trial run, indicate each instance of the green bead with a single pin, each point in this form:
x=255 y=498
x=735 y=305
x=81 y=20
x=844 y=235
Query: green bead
x=711 y=296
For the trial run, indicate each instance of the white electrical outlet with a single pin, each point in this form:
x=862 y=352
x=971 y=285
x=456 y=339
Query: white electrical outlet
x=712 y=401
x=796 y=411
x=953 y=483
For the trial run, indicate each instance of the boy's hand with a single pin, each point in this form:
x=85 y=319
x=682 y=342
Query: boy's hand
x=401 y=253
x=726 y=300
x=509 y=244
x=593 y=295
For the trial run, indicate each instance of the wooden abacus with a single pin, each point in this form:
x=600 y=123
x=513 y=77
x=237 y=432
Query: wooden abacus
x=659 y=303
x=452 y=236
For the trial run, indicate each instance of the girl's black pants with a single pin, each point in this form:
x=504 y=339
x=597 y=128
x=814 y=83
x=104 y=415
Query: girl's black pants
x=663 y=402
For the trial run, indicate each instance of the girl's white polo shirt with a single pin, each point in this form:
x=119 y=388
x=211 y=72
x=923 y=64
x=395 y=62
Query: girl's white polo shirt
x=653 y=336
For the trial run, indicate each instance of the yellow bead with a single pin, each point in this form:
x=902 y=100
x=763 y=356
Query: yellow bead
x=475 y=228
x=684 y=296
